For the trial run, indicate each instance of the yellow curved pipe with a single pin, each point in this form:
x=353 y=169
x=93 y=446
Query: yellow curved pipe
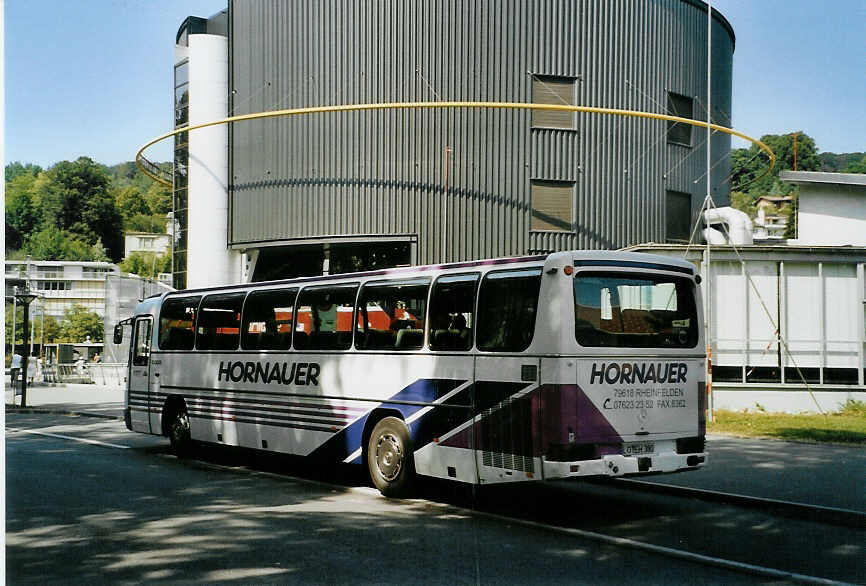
x=442 y=105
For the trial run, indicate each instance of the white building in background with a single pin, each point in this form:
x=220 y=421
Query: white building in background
x=783 y=319
x=832 y=208
x=146 y=242
x=771 y=221
x=64 y=284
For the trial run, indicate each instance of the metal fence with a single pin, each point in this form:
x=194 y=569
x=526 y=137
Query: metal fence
x=111 y=374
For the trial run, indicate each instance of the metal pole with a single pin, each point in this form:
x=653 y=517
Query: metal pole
x=25 y=359
x=445 y=208
x=14 y=315
x=31 y=338
x=707 y=208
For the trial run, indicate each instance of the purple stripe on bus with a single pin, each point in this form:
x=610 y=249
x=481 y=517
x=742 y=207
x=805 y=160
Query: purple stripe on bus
x=559 y=414
x=574 y=414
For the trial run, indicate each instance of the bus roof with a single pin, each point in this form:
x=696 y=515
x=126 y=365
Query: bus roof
x=578 y=257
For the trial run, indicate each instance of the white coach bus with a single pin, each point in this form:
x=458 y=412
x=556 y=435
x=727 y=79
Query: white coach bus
x=571 y=364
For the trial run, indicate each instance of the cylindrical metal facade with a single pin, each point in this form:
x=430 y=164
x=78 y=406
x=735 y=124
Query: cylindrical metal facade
x=382 y=173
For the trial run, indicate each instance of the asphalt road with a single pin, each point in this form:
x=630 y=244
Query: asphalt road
x=121 y=509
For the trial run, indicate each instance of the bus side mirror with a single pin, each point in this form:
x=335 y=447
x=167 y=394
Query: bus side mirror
x=118 y=334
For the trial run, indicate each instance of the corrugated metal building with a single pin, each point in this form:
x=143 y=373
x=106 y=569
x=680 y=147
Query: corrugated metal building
x=365 y=189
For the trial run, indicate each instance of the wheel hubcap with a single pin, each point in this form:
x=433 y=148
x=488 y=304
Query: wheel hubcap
x=389 y=456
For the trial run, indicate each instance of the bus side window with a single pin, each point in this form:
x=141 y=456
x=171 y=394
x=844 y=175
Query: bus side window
x=452 y=312
x=323 y=320
x=176 y=322
x=219 y=321
x=391 y=315
x=268 y=318
x=507 y=304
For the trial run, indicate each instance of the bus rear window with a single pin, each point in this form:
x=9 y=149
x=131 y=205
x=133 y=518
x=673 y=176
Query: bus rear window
x=634 y=311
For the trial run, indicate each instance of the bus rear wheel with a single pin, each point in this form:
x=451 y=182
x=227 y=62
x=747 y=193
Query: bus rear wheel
x=178 y=432
x=389 y=458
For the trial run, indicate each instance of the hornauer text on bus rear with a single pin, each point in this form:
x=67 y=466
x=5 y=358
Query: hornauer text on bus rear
x=572 y=364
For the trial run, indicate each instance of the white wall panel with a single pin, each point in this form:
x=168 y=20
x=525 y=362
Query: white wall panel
x=841 y=324
x=762 y=312
x=802 y=318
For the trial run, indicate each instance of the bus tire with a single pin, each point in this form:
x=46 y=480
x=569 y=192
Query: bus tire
x=389 y=458
x=177 y=429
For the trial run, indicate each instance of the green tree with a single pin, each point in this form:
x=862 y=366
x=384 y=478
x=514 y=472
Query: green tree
x=80 y=198
x=154 y=224
x=747 y=165
x=52 y=329
x=158 y=198
x=856 y=166
x=744 y=202
x=79 y=323
x=22 y=216
x=839 y=162
x=146 y=264
x=16 y=169
x=47 y=330
x=51 y=243
x=130 y=202
x=791 y=212
x=19 y=325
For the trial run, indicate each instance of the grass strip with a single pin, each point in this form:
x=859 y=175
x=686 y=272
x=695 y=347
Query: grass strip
x=847 y=426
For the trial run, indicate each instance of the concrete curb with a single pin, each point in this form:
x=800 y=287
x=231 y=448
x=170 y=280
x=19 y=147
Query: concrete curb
x=48 y=411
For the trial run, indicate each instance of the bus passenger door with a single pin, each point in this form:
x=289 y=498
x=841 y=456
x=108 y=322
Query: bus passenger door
x=138 y=393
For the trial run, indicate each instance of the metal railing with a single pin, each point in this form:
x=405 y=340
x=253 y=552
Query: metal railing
x=111 y=374
x=155 y=171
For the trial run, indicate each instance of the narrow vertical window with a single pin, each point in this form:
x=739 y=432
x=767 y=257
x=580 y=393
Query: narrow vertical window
x=678 y=216
x=680 y=132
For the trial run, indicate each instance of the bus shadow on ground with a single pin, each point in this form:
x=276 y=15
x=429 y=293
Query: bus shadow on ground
x=283 y=519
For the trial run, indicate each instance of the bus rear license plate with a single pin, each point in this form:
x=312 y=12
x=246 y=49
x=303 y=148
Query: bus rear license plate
x=638 y=448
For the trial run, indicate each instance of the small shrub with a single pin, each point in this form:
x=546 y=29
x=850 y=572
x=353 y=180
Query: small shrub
x=853 y=407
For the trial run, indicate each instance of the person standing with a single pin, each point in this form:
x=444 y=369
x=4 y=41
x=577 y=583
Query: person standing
x=32 y=368
x=15 y=368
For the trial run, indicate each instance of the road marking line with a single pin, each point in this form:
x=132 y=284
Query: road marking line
x=68 y=437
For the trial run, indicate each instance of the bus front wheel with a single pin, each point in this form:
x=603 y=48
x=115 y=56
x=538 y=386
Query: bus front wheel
x=178 y=432
x=389 y=458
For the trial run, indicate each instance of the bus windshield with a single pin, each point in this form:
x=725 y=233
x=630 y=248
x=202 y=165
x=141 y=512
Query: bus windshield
x=628 y=310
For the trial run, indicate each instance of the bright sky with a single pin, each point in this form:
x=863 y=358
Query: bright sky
x=93 y=77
